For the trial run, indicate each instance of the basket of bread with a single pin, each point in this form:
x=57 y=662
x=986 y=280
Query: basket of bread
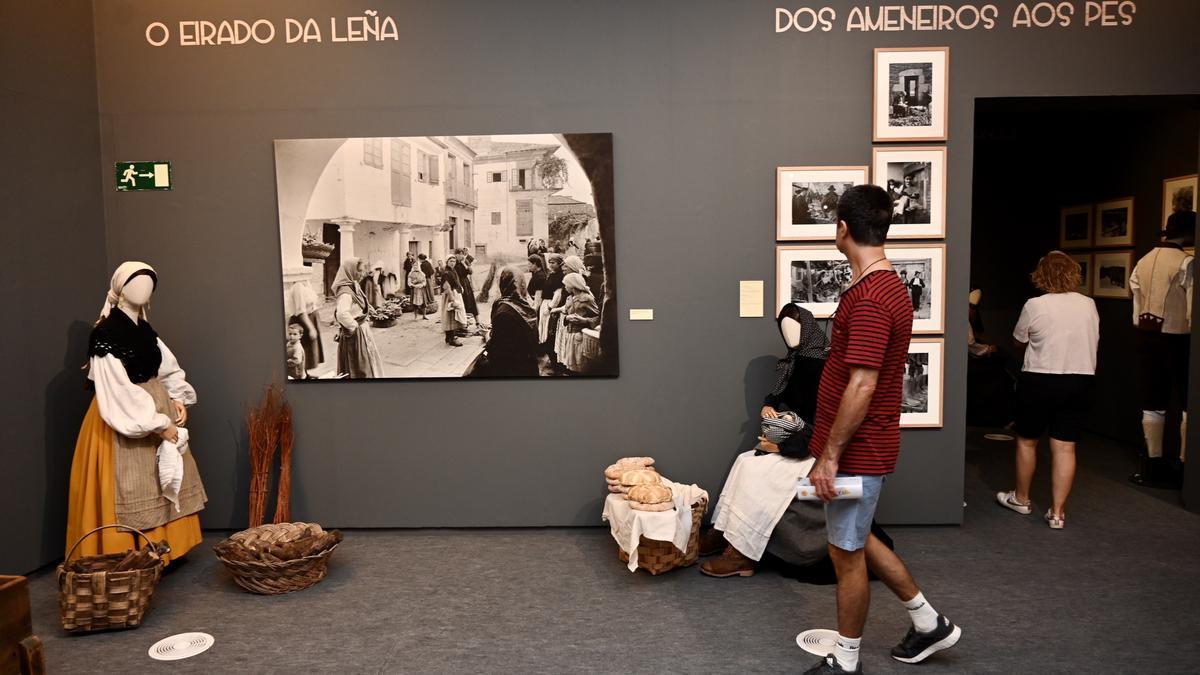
x=278 y=558
x=645 y=490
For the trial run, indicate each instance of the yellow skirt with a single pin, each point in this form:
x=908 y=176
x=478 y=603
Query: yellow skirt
x=92 y=501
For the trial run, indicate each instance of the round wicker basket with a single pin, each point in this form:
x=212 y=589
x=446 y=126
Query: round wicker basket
x=275 y=578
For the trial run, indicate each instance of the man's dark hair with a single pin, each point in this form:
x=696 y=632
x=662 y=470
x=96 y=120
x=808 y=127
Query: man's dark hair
x=867 y=210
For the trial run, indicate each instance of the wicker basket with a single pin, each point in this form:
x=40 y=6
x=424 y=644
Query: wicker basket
x=276 y=578
x=657 y=557
x=102 y=600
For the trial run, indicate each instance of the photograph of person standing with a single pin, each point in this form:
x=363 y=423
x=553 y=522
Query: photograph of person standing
x=857 y=433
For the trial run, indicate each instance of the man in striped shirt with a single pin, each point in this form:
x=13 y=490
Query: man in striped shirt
x=857 y=433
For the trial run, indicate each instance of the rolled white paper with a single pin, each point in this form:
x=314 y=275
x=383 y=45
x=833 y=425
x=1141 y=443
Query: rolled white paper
x=847 y=487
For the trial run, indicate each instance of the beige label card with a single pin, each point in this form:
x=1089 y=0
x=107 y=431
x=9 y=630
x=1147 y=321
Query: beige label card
x=751 y=301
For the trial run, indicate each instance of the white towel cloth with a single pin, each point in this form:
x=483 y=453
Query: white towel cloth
x=756 y=494
x=629 y=525
x=170 y=466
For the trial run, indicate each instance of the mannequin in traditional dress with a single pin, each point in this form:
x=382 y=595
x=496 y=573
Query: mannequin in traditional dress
x=141 y=399
x=1161 y=283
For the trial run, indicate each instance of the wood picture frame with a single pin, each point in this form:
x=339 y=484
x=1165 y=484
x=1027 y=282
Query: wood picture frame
x=1085 y=272
x=1113 y=224
x=1076 y=227
x=922 y=401
x=911 y=101
x=814 y=276
x=1107 y=282
x=801 y=215
x=915 y=178
x=1176 y=189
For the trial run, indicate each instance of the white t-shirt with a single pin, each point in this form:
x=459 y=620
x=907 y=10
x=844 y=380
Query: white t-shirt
x=1063 y=330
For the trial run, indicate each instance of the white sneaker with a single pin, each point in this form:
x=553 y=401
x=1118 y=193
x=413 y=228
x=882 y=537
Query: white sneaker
x=1056 y=522
x=1009 y=501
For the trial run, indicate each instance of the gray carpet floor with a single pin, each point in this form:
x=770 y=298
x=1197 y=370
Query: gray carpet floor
x=1115 y=592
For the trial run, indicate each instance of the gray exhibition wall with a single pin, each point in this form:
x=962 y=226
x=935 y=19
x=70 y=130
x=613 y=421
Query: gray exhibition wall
x=704 y=100
x=54 y=272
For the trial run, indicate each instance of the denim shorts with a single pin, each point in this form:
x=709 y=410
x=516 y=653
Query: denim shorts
x=848 y=521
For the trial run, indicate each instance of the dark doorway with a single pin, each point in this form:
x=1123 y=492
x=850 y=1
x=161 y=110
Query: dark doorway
x=330 y=234
x=1035 y=158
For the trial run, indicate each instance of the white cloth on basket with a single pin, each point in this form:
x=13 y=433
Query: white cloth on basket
x=756 y=494
x=629 y=525
x=170 y=466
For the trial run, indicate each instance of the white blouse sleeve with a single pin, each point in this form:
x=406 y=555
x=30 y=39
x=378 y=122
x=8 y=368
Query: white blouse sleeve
x=173 y=377
x=126 y=407
x=342 y=313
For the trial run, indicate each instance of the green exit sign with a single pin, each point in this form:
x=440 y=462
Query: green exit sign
x=136 y=176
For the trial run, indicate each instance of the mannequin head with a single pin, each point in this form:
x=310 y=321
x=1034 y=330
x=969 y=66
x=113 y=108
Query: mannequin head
x=137 y=291
x=790 y=328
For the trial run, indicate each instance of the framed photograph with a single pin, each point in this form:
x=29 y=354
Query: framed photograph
x=1110 y=274
x=1114 y=223
x=921 y=402
x=912 y=87
x=402 y=257
x=1179 y=194
x=1085 y=272
x=814 y=277
x=915 y=178
x=807 y=198
x=1075 y=227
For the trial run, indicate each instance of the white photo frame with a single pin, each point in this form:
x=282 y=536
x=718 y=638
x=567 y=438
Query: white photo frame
x=801 y=215
x=1075 y=227
x=1175 y=193
x=911 y=101
x=921 y=404
x=813 y=276
x=1085 y=272
x=1110 y=275
x=915 y=178
x=1114 y=223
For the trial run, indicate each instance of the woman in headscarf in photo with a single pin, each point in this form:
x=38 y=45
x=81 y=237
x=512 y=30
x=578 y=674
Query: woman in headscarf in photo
x=430 y=280
x=304 y=308
x=454 y=315
x=512 y=348
x=572 y=264
x=371 y=285
x=418 y=287
x=579 y=312
x=463 y=270
x=551 y=296
x=537 y=281
x=140 y=408
x=358 y=357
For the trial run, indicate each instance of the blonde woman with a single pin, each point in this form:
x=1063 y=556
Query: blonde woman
x=1058 y=332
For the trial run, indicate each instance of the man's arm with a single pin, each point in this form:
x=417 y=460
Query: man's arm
x=856 y=400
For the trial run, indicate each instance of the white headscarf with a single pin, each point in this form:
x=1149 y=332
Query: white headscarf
x=124 y=273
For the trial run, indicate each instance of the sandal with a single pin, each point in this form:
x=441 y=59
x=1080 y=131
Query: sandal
x=1056 y=522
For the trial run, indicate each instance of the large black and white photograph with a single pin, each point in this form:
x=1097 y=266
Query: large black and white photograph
x=1085 y=272
x=921 y=402
x=911 y=94
x=1114 y=223
x=915 y=178
x=1179 y=194
x=1110 y=275
x=1075 y=227
x=814 y=277
x=447 y=257
x=807 y=198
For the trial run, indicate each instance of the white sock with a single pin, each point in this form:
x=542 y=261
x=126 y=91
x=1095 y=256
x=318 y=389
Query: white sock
x=923 y=615
x=846 y=651
x=1153 y=422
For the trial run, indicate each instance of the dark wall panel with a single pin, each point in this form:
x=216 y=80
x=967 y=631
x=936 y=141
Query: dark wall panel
x=53 y=274
x=704 y=101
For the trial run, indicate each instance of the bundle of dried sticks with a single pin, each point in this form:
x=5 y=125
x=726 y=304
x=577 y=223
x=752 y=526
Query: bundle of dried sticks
x=266 y=424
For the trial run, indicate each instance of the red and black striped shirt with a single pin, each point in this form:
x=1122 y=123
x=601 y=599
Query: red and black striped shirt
x=871 y=329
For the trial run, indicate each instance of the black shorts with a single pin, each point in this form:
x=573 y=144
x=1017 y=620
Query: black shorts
x=1055 y=403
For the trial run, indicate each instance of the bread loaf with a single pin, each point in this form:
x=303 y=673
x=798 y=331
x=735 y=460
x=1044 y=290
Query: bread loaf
x=650 y=494
x=640 y=477
x=664 y=506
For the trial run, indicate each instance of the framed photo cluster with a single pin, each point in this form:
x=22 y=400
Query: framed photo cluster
x=1110 y=225
x=911 y=92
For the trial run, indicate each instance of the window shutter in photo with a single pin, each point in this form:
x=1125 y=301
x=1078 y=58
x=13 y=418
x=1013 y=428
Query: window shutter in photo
x=422 y=165
x=401 y=173
x=495 y=217
x=435 y=175
x=451 y=168
x=524 y=217
x=513 y=179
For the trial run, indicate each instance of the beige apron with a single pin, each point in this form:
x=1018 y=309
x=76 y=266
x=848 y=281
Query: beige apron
x=139 y=500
